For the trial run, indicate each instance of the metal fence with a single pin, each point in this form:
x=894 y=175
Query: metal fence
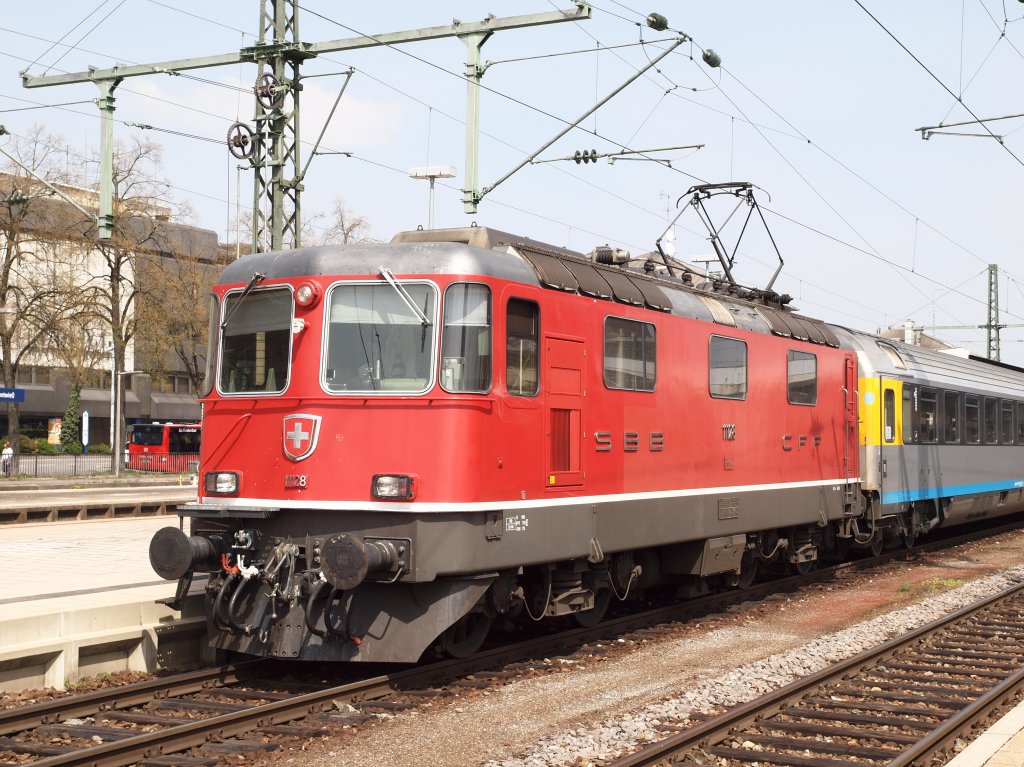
x=66 y=465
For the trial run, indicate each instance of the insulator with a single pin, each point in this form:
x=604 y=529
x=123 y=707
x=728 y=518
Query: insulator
x=578 y=157
x=659 y=23
x=712 y=59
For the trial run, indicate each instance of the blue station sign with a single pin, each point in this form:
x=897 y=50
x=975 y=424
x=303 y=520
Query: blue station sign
x=12 y=395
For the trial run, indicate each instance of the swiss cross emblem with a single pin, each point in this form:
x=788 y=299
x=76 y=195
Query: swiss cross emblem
x=300 y=435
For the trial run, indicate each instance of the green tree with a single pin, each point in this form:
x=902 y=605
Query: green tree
x=71 y=425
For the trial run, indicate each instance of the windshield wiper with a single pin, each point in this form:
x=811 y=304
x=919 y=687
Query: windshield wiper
x=257 y=278
x=404 y=295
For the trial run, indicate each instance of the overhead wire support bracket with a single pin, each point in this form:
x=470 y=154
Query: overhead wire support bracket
x=623 y=155
x=940 y=130
x=575 y=123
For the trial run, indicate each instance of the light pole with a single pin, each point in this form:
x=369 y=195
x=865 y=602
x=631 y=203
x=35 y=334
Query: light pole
x=115 y=448
x=10 y=405
x=432 y=172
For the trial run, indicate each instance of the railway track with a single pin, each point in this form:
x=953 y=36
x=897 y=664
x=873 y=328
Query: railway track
x=238 y=709
x=900 y=704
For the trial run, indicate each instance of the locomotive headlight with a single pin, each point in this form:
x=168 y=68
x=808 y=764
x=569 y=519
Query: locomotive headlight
x=394 y=487
x=221 y=482
x=306 y=294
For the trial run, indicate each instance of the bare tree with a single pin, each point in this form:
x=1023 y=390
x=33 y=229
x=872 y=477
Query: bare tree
x=35 y=273
x=344 y=227
x=174 y=310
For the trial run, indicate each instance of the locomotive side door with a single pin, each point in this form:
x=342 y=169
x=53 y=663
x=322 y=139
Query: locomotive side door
x=564 y=367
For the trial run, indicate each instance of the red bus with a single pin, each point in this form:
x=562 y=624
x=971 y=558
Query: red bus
x=162 y=446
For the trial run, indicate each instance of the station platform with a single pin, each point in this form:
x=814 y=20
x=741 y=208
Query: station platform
x=1002 y=745
x=80 y=599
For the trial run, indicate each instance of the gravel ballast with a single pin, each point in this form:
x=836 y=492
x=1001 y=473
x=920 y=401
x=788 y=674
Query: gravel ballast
x=618 y=736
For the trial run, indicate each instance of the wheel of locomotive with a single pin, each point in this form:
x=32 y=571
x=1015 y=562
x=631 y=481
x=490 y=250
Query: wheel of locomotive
x=877 y=544
x=805 y=568
x=749 y=566
x=466 y=635
x=593 y=616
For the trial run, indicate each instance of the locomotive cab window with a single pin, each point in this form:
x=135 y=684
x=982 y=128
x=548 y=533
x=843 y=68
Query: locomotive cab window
x=210 y=374
x=377 y=341
x=801 y=378
x=630 y=354
x=466 y=341
x=522 y=363
x=256 y=345
x=727 y=368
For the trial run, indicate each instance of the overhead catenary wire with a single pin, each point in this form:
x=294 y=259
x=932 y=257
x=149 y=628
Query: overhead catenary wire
x=937 y=80
x=596 y=186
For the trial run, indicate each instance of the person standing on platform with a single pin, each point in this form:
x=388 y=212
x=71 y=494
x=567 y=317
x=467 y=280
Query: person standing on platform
x=7 y=458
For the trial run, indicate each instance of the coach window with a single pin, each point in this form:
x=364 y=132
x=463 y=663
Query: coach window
x=1020 y=423
x=951 y=417
x=972 y=419
x=909 y=413
x=727 y=377
x=991 y=421
x=466 y=343
x=1006 y=422
x=928 y=415
x=889 y=413
x=522 y=363
x=630 y=354
x=801 y=378
x=257 y=332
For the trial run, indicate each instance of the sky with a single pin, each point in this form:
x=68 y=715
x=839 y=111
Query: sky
x=816 y=104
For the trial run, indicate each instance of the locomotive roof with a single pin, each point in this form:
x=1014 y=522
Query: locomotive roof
x=493 y=253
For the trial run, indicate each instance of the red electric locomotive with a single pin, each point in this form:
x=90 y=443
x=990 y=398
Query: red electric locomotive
x=405 y=442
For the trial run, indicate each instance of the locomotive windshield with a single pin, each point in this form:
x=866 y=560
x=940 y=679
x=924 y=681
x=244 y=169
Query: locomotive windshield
x=376 y=342
x=256 y=341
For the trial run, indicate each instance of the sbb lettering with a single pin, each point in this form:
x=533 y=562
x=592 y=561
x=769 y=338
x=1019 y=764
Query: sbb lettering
x=604 y=441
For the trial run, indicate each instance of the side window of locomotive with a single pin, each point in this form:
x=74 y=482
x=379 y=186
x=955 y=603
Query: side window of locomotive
x=1020 y=423
x=928 y=415
x=522 y=333
x=889 y=414
x=256 y=342
x=1006 y=422
x=801 y=378
x=972 y=419
x=630 y=354
x=727 y=376
x=991 y=421
x=376 y=341
x=951 y=417
x=210 y=375
x=909 y=413
x=466 y=339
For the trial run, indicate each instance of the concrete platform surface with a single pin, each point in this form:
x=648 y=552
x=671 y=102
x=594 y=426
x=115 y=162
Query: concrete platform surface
x=1002 y=745
x=81 y=599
